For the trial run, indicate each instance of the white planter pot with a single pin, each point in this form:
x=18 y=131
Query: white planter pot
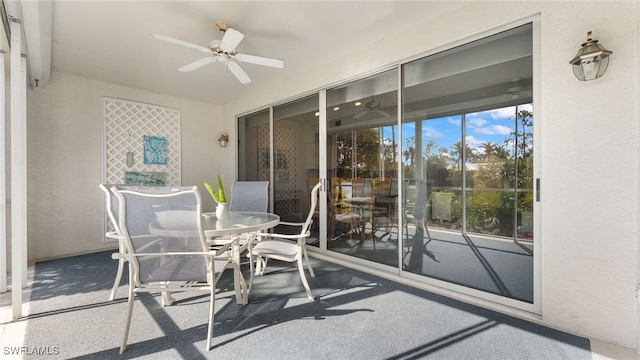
x=222 y=210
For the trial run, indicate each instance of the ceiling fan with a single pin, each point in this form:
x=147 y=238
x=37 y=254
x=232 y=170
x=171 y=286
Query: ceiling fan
x=369 y=107
x=516 y=91
x=224 y=51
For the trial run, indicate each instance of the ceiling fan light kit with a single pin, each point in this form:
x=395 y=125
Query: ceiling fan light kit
x=224 y=51
x=371 y=107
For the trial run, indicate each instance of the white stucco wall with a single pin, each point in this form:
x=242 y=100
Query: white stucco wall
x=65 y=162
x=589 y=142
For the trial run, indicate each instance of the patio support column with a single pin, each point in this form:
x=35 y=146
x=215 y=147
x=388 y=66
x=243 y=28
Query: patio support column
x=3 y=182
x=18 y=170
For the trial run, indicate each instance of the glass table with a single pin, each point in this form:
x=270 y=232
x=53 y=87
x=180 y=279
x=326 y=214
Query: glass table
x=233 y=225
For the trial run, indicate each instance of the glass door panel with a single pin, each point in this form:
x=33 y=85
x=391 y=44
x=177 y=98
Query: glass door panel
x=253 y=140
x=285 y=154
x=362 y=157
x=499 y=172
x=296 y=160
x=467 y=132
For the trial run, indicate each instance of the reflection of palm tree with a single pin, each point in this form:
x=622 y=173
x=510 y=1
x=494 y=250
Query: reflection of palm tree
x=457 y=152
x=493 y=151
x=489 y=149
x=409 y=152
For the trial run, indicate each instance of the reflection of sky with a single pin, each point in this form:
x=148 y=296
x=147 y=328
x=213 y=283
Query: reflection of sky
x=492 y=126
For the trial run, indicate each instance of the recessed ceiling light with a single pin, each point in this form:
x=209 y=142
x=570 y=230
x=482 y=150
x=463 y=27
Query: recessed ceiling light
x=317 y=113
x=358 y=103
x=336 y=108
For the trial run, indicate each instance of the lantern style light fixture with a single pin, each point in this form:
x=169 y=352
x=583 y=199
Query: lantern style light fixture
x=223 y=140
x=591 y=61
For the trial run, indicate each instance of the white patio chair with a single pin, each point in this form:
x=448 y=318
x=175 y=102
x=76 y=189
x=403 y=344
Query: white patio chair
x=111 y=202
x=249 y=196
x=165 y=246
x=417 y=213
x=285 y=247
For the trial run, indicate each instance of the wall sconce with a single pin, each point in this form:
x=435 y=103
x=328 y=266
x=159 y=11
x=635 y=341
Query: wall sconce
x=223 y=140
x=591 y=61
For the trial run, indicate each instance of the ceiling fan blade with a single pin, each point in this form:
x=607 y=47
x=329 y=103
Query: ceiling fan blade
x=238 y=72
x=197 y=64
x=230 y=40
x=181 y=43
x=260 y=60
x=383 y=113
x=361 y=114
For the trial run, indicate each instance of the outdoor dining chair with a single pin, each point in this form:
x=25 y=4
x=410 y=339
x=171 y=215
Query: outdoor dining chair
x=249 y=196
x=111 y=202
x=285 y=247
x=340 y=212
x=165 y=246
x=417 y=212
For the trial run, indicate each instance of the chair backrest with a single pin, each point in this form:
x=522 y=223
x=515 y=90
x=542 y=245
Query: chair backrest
x=158 y=220
x=357 y=187
x=421 y=199
x=249 y=196
x=311 y=183
x=381 y=186
x=111 y=202
x=306 y=228
x=336 y=196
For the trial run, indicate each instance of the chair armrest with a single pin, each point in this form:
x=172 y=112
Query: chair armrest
x=212 y=254
x=113 y=235
x=290 y=223
x=282 y=236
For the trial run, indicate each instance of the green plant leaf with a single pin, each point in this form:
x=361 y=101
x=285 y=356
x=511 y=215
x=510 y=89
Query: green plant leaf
x=221 y=191
x=218 y=196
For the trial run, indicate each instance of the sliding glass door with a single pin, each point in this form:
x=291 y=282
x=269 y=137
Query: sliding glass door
x=362 y=158
x=468 y=131
x=427 y=167
x=285 y=152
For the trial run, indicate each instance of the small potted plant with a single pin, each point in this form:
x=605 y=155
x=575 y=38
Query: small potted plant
x=218 y=197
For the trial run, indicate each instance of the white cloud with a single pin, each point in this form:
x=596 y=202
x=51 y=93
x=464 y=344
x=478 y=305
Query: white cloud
x=472 y=142
x=528 y=107
x=432 y=133
x=454 y=121
x=494 y=130
x=504 y=113
x=477 y=121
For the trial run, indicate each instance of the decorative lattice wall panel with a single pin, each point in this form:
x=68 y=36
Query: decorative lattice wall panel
x=285 y=203
x=126 y=125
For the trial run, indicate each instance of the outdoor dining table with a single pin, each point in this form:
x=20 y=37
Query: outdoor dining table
x=236 y=223
x=228 y=229
x=364 y=206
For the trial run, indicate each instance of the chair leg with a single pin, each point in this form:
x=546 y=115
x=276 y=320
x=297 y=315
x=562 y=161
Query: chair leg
x=127 y=326
x=242 y=285
x=426 y=229
x=258 y=265
x=241 y=292
x=116 y=282
x=304 y=278
x=306 y=257
x=212 y=303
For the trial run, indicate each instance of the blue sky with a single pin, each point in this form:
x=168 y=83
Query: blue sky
x=482 y=127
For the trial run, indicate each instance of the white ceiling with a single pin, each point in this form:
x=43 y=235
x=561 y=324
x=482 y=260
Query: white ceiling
x=112 y=41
